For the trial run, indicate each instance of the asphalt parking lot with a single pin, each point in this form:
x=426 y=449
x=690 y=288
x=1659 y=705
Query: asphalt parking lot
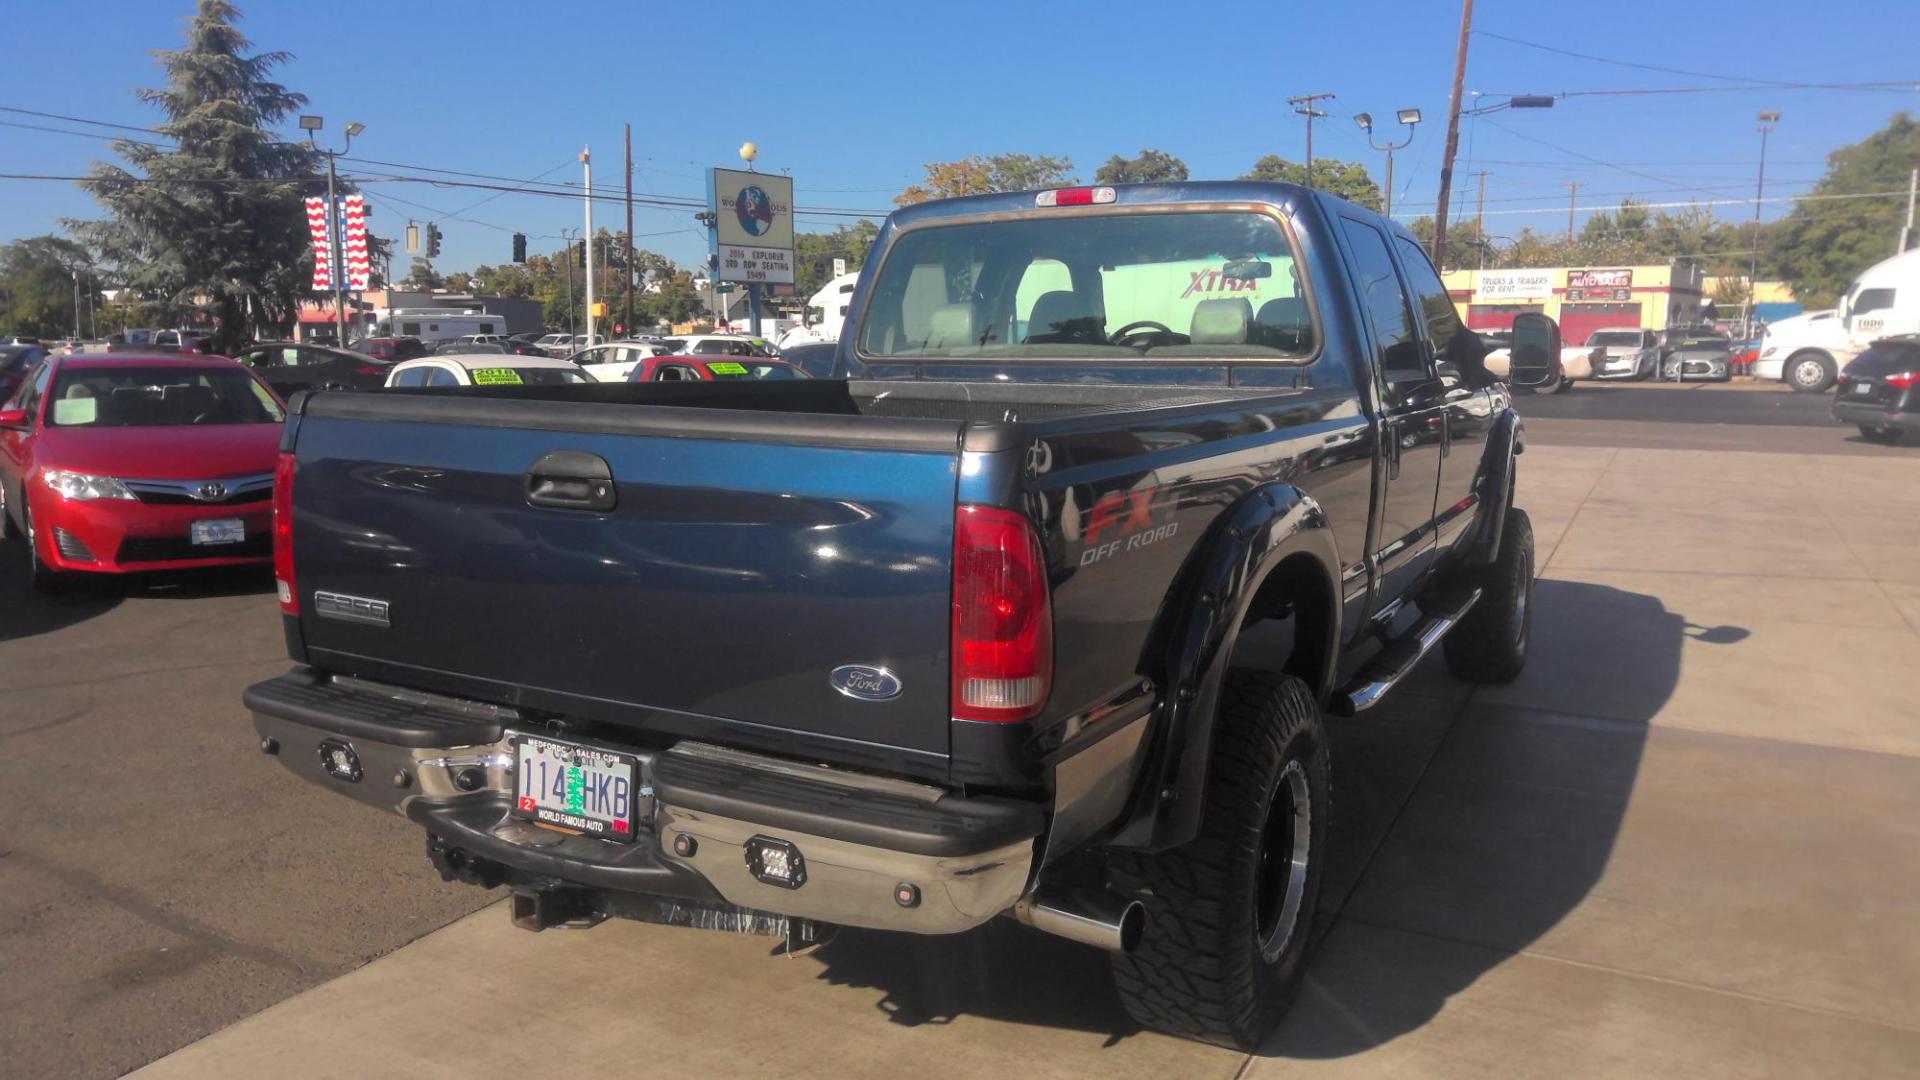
x=1685 y=843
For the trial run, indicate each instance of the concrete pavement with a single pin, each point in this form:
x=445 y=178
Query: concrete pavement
x=1685 y=843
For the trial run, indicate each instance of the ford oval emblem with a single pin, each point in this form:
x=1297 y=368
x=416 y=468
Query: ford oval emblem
x=866 y=682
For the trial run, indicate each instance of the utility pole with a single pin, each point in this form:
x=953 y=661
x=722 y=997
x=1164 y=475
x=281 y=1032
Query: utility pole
x=1906 y=231
x=1303 y=105
x=76 y=305
x=1573 y=196
x=586 y=164
x=337 y=268
x=1453 y=139
x=1480 y=217
x=1767 y=120
x=627 y=320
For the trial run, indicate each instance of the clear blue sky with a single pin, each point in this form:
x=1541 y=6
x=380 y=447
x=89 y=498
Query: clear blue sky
x=854 y=102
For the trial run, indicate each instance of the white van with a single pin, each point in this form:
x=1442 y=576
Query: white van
x=1884 y=300
x=431 y=325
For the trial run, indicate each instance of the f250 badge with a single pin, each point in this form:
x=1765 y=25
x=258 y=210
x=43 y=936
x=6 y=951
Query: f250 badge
x=865 y=682
x=1133 y=519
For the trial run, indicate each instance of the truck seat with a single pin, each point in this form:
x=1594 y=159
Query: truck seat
x=1062 y=317
x=1222 y=322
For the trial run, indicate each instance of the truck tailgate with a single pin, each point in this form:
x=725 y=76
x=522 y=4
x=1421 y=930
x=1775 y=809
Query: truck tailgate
x=740 y=565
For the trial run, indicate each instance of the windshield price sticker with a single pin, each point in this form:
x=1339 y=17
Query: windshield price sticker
x=496 y=376
x=727 y=368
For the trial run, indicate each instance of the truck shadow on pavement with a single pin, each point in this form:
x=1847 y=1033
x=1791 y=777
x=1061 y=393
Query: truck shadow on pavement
x=26 y=611
x=1469 y=822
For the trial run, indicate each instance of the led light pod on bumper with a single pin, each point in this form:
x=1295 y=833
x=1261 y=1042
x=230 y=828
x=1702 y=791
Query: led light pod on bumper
x=776 y=862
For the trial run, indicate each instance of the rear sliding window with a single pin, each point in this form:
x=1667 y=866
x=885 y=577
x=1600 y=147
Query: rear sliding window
x=1172 y=285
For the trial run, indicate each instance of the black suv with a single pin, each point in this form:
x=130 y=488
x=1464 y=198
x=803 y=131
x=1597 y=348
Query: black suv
x=1878 y=391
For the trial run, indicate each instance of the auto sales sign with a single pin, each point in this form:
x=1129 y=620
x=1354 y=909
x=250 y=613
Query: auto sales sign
x=1513 y=285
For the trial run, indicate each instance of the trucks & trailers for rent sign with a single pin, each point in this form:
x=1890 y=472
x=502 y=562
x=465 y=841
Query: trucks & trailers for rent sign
x=753 y=226
x=1513 y=285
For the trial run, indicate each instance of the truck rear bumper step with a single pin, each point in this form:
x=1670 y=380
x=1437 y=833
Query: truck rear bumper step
x=876 y=852
x=1401 y=655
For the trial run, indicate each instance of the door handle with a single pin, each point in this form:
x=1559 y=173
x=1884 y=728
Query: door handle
x=571 y=480
x=1390 y=434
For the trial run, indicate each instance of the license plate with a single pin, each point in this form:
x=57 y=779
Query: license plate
x=577 y=787
x=1863 y=388
x=219 y=531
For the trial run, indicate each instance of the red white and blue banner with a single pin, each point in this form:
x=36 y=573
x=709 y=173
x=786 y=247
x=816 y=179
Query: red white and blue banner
x=353 y=232
x=317 y=227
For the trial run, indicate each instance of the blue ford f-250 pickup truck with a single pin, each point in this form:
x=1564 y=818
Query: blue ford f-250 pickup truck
x=963 y=634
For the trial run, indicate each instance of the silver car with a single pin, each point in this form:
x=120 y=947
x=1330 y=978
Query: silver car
x=1628 y=352
x=1704 y=357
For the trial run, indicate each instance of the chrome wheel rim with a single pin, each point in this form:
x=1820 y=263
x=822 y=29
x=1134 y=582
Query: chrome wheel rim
x=1280 y=882
x=1808 y=372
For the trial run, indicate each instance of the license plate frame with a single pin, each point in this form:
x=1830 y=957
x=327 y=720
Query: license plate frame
x=579 y=769
x=1863 y=388
x=214 y=532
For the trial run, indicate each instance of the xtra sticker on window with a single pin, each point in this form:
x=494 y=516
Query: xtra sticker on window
x=727 y=367
x=496 y=376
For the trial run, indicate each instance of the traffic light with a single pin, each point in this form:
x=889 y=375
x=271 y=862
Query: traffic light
x=580 y=256
x=433 y=240
x=519 y=247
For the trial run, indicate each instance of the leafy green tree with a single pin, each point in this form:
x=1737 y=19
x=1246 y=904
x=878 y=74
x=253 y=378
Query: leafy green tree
x=1152 y=166
x=979 y=175
x=813 y=253
x=1824 y=243
x=422 y=275
x=1464 y=243
x=37 y=278
x=239 y=244
x=1347 y=179
x=676 y=299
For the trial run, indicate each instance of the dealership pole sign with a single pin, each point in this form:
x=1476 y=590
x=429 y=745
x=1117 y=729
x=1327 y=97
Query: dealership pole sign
x=1513 y=285
x=753 y=226
x=350 y=218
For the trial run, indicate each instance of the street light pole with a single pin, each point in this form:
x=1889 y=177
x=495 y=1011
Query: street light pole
x=1409 y=117
x=336 y=267
x=586 y=163
x=1304 y=106
x=1767 y=120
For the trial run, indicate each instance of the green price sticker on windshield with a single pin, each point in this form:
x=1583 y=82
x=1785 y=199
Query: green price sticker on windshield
x=727 y=367
x=496 y=376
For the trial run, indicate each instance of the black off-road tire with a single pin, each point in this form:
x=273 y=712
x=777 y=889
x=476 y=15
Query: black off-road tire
x=1202 y=970
x=1490 y=644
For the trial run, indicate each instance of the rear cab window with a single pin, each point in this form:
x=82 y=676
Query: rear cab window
x=1171 y=285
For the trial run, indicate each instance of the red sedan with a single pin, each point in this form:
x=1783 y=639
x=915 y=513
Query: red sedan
x=120 y=463
x=679 y=367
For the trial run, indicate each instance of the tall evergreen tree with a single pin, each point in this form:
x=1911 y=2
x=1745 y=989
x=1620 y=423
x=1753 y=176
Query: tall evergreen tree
x=217 y=216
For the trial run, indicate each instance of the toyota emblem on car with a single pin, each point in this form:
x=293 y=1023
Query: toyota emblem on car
x=211 y=491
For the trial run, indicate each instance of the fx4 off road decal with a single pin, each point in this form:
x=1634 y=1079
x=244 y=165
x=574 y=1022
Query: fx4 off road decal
x=1127 y=520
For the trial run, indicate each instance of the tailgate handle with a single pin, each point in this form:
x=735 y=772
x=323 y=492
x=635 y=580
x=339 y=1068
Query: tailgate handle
x=571 y=480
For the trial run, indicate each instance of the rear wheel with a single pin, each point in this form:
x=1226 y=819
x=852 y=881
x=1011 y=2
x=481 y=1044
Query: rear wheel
x=1566 y=384
x=1230 y=914
x=1880 y=433
x=1490 y=644
x=1810 y=372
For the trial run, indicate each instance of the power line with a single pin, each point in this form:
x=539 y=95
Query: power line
x=1584 y=157
x=1901 y=193
x=1747 y=79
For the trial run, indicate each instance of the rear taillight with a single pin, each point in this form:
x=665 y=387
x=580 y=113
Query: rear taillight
x=1902 y=380
x=283 y=534
x=368 y=369
x=1002 y=617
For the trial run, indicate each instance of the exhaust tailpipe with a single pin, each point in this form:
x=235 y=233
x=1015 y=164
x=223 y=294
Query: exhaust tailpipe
x=1089 y=916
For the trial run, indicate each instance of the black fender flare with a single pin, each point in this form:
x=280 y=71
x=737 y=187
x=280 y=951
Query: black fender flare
x=1191 y=646
x=1505 y=441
